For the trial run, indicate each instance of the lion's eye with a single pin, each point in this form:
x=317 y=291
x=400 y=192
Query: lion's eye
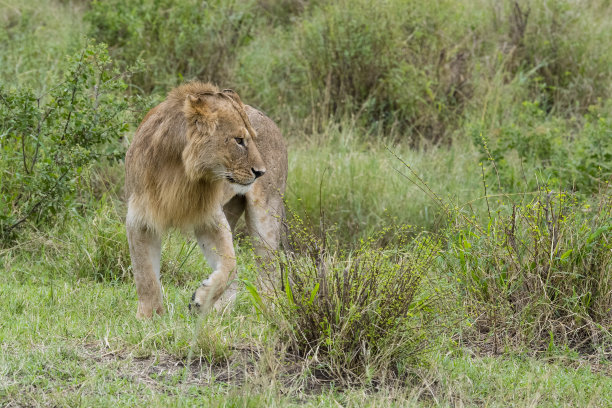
x=240 y=141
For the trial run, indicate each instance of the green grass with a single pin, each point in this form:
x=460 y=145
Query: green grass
x=360 y=187
x=77 y=343
x=35 y=39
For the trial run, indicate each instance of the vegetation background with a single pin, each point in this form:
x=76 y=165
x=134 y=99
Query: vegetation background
x=449 y=200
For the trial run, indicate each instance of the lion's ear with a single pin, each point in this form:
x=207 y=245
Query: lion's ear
x=194 y=100
x=232 y=94
x=198 y=112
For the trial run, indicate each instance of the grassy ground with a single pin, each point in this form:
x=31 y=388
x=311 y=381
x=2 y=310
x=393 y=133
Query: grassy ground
x=67 y=343
x=70 y=338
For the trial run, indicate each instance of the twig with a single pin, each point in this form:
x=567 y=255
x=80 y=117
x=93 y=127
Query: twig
x=38 y=129
x=430 y=193
x=74 y=89
x=484 y=184
x=321 y=213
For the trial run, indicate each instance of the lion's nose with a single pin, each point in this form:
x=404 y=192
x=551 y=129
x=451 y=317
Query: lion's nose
x=258 y=173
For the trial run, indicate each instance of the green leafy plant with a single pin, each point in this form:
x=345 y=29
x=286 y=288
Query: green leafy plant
x=590 y=164
x=535 y=149
x=539 y=274
x=48 y=141
x=537 y=142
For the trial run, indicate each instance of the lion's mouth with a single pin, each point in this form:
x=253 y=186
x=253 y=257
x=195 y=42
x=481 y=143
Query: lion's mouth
x=234 y=181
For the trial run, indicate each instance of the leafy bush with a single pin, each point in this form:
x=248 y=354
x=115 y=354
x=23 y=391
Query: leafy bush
x=47 y=141
x=549 y=150
x=551 y=43
x=539 y=274
x=388 y=65
x=359 y=316
x=177 y=40
x=537 y=142
x=590 y=162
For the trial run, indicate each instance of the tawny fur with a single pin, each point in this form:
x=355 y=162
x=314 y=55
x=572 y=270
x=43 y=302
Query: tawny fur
x=155 y=172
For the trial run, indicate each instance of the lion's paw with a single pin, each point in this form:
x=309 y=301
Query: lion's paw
x=202 y=298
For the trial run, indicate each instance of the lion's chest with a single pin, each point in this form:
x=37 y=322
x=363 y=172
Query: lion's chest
x=178 y=203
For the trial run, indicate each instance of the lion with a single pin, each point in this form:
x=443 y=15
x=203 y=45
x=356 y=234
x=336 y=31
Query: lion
x=197 y=162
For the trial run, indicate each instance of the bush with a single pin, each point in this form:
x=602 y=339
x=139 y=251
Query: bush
x=388 y=65
x=535 y=149
x=551 y=43
x=590 y=163
x=48 y=141
x=537 y=142
x=358 y=316
x=539 y=274
x=177 y=40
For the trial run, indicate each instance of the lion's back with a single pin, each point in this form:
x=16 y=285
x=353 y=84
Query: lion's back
x=272 y=148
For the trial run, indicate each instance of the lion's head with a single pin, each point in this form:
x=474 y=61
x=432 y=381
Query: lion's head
x=220 y=140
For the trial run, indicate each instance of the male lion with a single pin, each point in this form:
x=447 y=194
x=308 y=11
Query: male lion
x=197 y=162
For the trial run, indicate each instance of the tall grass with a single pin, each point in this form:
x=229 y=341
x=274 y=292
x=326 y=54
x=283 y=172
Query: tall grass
x=178 y=40
x=431 y=66
x=338 y=62
x=35 y=39
x=355 y=188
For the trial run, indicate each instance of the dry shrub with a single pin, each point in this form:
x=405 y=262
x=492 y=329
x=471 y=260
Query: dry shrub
x=359 y=316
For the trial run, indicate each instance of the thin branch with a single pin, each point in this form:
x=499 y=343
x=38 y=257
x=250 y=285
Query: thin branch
x=430 y=193
x=38 y=129
x=23 y=153
x=74 y=89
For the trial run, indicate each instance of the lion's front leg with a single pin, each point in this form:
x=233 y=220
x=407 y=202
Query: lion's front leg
x=215 y=241
x=145 y=251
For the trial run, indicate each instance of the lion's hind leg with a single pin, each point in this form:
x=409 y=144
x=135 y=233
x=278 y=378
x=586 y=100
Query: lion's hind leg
x=145 y=251
x=264 y=219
